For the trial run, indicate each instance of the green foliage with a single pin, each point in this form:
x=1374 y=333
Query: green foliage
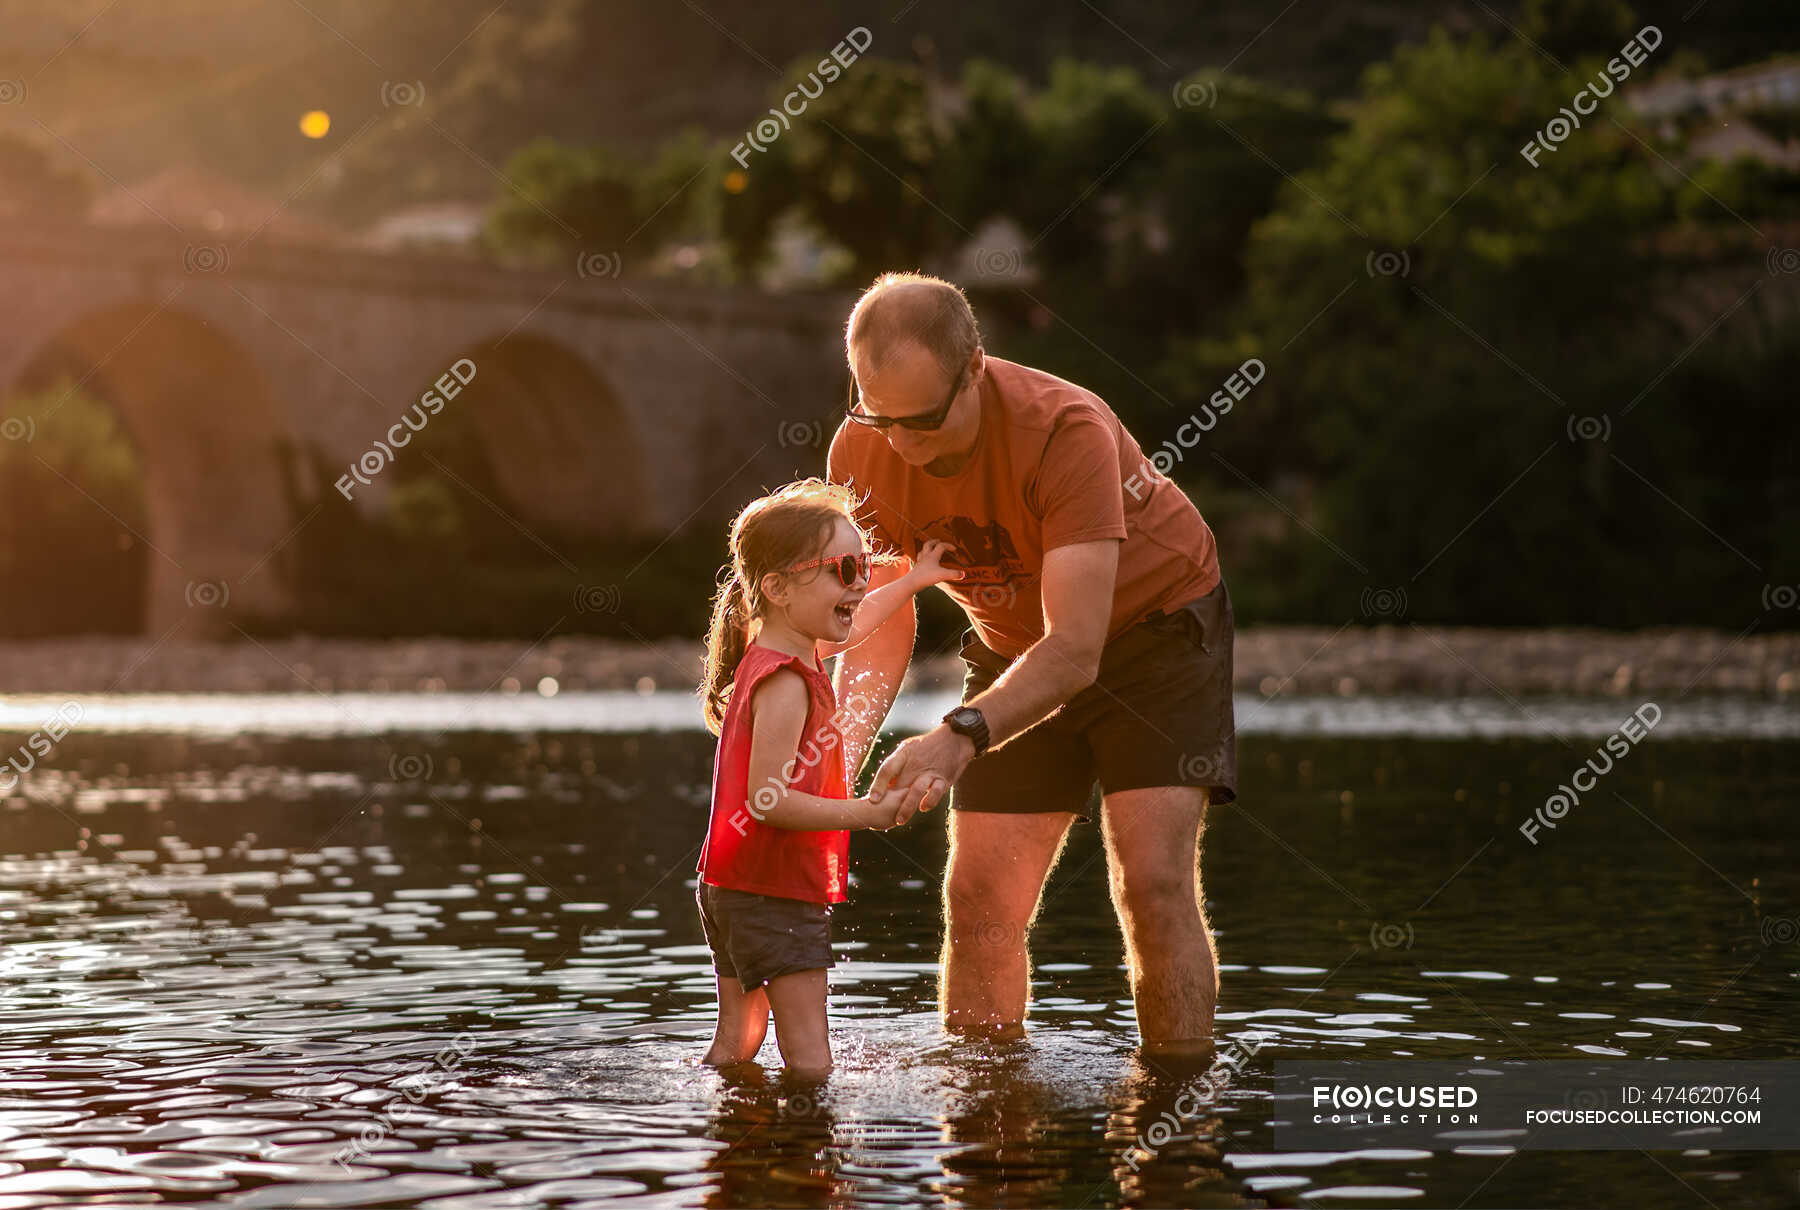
x=1779 y=122
x=858 y=163
x=565 y=197
x=893 y=169
x=73 y=506
x=597 y=199
x=1159 y=255
x=1425 y=205
x=995 y=148
x=1572 y=29
x=425 y=511
x=1436 y=313
x=1745 y=185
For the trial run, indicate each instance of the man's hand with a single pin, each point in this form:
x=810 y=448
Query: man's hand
x=940 y=753
x=899 y=802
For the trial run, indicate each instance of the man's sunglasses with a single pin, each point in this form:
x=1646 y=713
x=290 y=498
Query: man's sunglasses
x=925 y=421
x=850 y=568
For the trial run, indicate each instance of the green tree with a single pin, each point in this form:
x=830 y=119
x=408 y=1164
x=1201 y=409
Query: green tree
x=599 y=200
x=1573 y=29
x=859 y=164
x=73 y=509
x=1438 y=316
x=1146 y=248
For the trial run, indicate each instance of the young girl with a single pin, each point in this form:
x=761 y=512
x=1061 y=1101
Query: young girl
x=778 y=843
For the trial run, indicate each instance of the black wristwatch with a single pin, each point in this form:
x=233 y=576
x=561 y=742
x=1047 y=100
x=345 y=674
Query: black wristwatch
x=966 y=720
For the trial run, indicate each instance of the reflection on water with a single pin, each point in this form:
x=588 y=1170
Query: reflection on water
x=463 y=971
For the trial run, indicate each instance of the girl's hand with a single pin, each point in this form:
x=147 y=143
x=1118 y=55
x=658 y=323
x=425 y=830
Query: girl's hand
x=929 y=569
x=896 y=805
x=884 y=807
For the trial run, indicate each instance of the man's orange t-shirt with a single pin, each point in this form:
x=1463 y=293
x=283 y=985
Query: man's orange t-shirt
x=1050 y=466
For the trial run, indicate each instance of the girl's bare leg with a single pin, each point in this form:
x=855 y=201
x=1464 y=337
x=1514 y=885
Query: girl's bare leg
x=800 y=1026
x=743 y=1022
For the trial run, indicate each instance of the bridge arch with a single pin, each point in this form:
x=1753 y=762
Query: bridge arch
x=555 y=440
x=210 y=443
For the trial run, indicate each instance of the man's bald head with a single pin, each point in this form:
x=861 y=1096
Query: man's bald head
x=913 y=308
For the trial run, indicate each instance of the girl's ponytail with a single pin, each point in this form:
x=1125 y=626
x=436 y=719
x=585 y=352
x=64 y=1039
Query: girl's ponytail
x=726 y=640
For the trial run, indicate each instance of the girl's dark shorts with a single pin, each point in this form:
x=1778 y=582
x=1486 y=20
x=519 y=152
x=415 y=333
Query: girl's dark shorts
x=755 y=938
x=1158 y=714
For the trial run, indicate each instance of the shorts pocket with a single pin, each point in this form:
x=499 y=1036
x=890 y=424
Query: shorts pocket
x=1210 y=619
x=1185 y=622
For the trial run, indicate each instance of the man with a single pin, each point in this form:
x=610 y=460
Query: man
x=1100 y=649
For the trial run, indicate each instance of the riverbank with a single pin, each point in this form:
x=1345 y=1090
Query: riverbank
x=1347 y=661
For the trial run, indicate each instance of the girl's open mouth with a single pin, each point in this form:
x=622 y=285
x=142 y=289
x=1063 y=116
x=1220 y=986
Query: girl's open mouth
x=845 y=613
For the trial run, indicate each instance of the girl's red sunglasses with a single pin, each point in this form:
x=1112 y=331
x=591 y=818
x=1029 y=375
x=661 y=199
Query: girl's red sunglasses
x=850 y=568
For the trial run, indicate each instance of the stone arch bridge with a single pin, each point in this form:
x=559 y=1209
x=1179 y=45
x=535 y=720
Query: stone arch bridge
x=607 y=407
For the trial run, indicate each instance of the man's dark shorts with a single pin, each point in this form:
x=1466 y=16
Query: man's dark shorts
x=1159 y=714
x=756 y=938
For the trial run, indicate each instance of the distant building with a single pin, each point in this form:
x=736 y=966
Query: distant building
x=1775 y=84
x=1742 y=137
x=998 y=254
x=1717 y=111
x=441 y=224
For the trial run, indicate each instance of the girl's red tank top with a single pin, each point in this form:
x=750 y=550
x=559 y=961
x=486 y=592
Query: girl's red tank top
x=742 y=853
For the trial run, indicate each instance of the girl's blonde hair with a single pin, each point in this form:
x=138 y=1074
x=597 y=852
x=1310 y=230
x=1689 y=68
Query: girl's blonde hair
x=782 y=528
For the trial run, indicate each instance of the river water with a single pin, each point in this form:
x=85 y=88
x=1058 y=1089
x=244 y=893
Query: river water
x=361 y=951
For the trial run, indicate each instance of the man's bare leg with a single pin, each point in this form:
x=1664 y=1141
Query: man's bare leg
x=1152 y=854
x=996 y=872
